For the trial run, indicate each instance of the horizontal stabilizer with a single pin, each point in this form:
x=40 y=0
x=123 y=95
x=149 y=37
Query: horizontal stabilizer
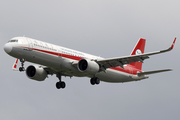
x=152 y=72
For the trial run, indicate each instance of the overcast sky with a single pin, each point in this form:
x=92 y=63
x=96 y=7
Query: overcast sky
x=106 y=28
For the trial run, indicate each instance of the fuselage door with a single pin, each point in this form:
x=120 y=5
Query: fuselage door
x=59 y=52
x=30 y=44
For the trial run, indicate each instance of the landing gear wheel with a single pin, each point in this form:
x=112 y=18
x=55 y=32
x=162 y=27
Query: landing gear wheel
x=97 y=81
x=22 y=65
x=21 y=69
x=94 y=81
x=63 y=85
x=60 y=85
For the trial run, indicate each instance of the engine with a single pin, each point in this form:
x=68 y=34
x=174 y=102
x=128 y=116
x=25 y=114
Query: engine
x=88 y=66
x=36 y=73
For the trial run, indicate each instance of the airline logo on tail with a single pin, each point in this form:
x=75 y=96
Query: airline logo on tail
x=138 y=52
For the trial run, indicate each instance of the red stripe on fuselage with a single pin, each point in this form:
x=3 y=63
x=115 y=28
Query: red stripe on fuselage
x=71 y=57
x=49 y=52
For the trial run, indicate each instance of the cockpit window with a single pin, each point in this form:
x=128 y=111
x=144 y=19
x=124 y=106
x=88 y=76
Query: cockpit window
x=13 y=41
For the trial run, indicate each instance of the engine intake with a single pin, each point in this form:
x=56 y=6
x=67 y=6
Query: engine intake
x=85 y=65
x=36 y=73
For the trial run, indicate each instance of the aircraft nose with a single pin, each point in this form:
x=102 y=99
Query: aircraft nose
x=7 y=48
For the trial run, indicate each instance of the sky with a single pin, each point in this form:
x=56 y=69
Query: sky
x=104 y=28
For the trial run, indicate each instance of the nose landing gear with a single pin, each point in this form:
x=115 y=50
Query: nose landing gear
x=22 y=65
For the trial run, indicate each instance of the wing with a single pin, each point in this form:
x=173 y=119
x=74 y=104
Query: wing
x=51 y=71
x=120 y=61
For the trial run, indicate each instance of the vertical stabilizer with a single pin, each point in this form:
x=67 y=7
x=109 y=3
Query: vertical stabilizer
x=138 y=49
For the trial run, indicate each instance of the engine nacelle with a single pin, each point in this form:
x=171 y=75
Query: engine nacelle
x=36 y=73
x=88 y=66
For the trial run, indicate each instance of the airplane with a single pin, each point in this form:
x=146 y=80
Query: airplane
x=61 y=61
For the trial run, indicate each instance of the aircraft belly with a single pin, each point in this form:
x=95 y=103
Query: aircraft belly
x=114 y=76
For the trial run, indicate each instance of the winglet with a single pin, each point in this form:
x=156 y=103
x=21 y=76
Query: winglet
x=172 y=46
x=15 y=65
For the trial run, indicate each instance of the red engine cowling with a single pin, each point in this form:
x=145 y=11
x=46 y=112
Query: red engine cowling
x=85 y=65
x=36 y=73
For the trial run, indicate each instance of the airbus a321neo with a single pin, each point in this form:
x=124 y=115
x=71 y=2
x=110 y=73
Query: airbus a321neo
x=53 y=59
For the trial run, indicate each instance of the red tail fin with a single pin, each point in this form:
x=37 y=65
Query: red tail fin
x=138 y=49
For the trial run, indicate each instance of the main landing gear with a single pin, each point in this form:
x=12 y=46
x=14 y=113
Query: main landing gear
x=94 y=81
x=60 y=84
x=22 y=65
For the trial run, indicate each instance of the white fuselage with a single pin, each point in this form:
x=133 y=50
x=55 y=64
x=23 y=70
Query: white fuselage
x=62 y=60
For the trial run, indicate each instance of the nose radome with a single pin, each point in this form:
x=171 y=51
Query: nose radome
x=7 y=48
